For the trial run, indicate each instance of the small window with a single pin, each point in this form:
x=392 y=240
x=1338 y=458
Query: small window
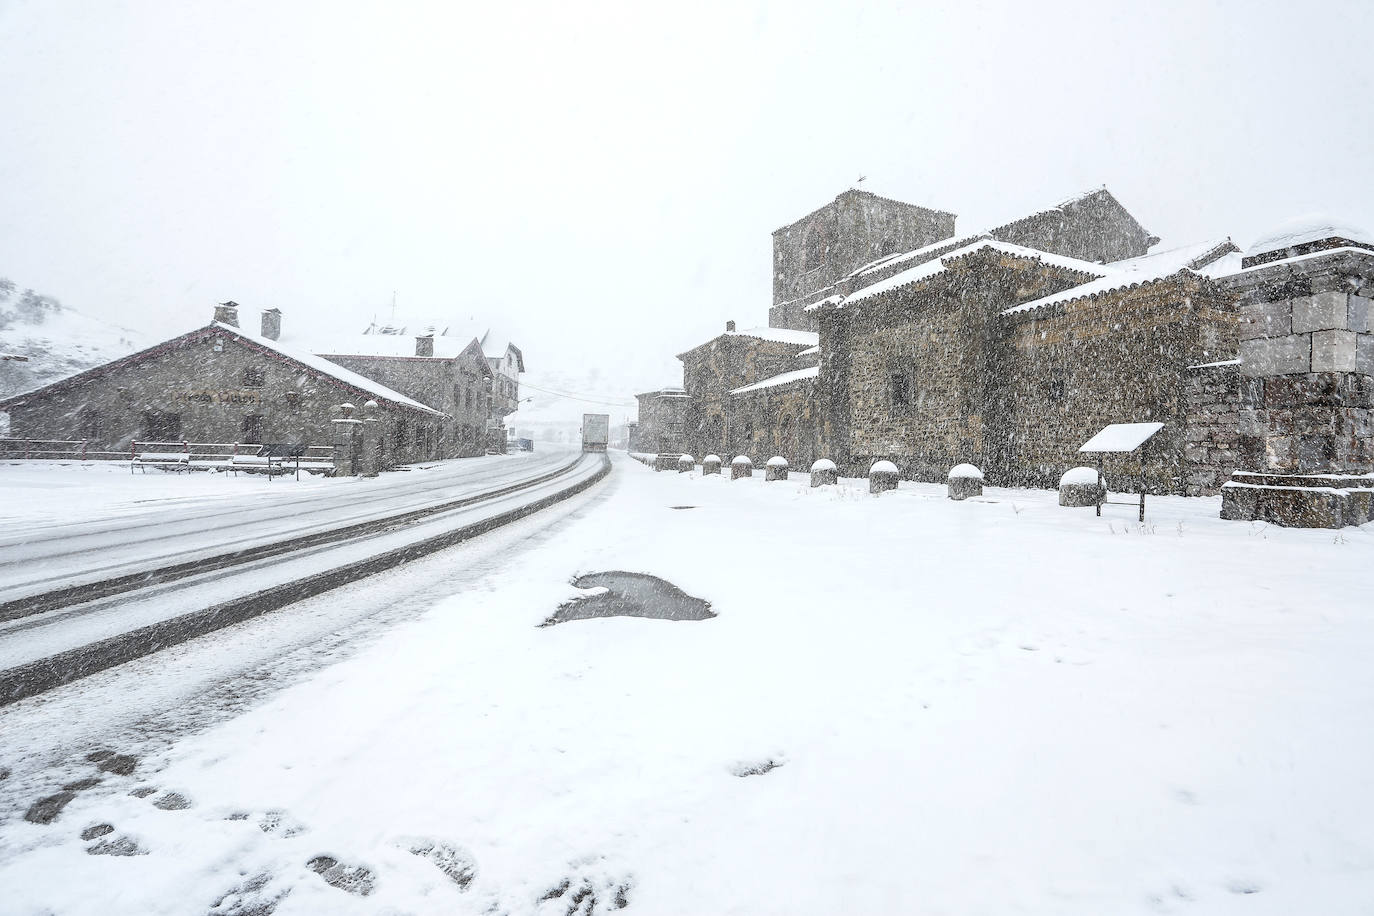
x=901 y=389
x=252 y=377
x=1058 y=385
x=402 y=434
x=252 y=429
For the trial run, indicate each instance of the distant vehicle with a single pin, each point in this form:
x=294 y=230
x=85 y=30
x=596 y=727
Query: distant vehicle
x=525 y=445
x=596 y=431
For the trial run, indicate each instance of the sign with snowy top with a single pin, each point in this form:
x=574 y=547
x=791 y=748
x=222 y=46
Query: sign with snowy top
x=1121 y=437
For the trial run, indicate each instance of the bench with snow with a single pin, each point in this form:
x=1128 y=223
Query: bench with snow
x=255 y=464
x=1114 y=439
x=165 y=461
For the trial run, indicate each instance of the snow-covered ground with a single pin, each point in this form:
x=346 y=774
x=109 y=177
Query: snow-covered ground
x=991 y=706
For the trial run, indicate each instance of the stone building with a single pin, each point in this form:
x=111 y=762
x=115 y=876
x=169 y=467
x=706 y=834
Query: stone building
x=220 y=384
x=442 y=371
x=662 y=421
x=1092 y=226
x=732 y=360
x=1006 y=348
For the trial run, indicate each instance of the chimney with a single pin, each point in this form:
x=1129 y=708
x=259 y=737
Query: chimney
x=271 y=324
x=729 y=327
x=424 y=346
x=227 y=313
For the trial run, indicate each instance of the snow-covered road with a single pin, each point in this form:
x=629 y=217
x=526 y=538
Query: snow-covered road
x=905 y=705
x=69 y=546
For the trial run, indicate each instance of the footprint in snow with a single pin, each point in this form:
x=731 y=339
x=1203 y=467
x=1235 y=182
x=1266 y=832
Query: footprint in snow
x=354 y=879
x=586 y=895
x=456 y=864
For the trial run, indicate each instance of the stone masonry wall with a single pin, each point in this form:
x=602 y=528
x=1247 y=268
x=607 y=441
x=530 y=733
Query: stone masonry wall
x=1220 y=435
x=1119 y=358
x=206 y=388
x=1309 y=342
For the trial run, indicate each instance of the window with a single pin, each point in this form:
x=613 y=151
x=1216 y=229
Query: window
x=901 y=389
x=1058 y=385
x=90 y=424
x=252 y=429
x=252 y=377
x=402 y=434
x=161 y=427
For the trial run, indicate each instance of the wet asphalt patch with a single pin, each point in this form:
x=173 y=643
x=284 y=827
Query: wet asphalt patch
x=631 y=594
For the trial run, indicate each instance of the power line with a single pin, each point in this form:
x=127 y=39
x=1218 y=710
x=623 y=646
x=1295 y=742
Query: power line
x=577 y=397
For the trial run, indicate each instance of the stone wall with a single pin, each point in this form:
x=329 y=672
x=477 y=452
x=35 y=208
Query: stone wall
x=1221 y=434
x=712 y=370
x=781 y=420
x=209 y=384
x=917 y=375
x=662 y=422
x=1121 y=357
x=811 y=254
x=457 y=387
x=1307 y=336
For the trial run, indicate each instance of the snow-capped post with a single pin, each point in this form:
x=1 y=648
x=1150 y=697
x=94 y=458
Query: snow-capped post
x=965 y=480
x=776 y=469
x=685 y=463
x=710 y=465
x=824 y=473
x=348 y=440
x=882 y=477
x=372 y=456
x=741 y=467
x=1081 y=487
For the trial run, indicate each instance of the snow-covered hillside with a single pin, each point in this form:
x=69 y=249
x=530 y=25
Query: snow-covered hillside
x=53 y=340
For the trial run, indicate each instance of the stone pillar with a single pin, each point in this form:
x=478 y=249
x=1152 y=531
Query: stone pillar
x=1081 y=487
x=370 y=463
x=965 y=480
x=348 y=435
x=710 y=465
x=741 y=466
x=824 y=473
x=882 y=477
x=1307 y=338
x=776 y=469
x=685 y=463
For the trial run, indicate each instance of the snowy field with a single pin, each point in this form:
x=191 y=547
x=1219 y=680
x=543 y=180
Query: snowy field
x=904 y=705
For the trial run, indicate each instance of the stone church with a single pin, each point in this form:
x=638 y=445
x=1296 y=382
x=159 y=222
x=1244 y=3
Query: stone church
x=892 y=337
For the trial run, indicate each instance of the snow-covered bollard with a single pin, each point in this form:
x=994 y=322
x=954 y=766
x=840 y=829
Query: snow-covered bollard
x=710 y=465
x=685 y=463
x=882 y=477
x=741 y=467
x=823 y=473
x=776 y=468
x=1080 y=487
x=965 y=480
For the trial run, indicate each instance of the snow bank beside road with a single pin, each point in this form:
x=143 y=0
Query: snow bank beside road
x=964 y=724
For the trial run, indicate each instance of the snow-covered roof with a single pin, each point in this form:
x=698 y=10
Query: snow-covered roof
x=811 y=351
x=325 y=367
x=1121 y=437
x=785 y=378
x=780 y=335
x=1135 y=271
x=316 y=364
x=1312 y=228
x=940 y=264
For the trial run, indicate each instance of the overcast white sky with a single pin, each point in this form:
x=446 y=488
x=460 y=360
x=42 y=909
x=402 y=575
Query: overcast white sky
x=602 y=179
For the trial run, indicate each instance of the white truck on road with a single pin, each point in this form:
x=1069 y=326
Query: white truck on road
x=596 y=431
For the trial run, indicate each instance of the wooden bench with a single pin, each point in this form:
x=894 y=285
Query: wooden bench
x=166 y=461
